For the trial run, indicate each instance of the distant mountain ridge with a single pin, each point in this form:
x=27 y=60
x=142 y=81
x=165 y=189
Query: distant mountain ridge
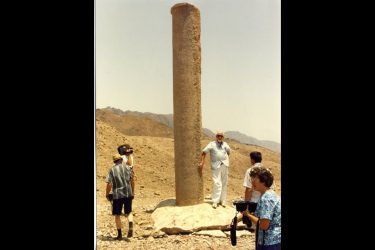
x=238 y=136
x=135 y=125
x=167 y=120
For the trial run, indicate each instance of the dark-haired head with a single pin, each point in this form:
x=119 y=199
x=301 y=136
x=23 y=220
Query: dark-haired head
x=256 y=156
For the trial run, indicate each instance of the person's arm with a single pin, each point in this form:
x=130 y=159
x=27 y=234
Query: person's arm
x=228 y=150
x=201 y=164
x=239 y=217
x=108 y=189
x=109 y=180
x=132 y=184
x=263 y=223
x=248 y=193
x=130 y=160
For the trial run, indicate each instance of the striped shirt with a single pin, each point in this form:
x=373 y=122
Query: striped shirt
x=120 y=176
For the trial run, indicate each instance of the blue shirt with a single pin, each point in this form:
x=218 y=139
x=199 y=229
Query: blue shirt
x=269 y=207
x=218 y=153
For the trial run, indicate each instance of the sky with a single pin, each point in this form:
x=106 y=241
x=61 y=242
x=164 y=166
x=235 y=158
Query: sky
x=240 y=61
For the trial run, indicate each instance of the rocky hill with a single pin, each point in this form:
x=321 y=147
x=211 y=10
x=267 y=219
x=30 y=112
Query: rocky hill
x=138 y=123
x=165 y=119
x=133 y=124
x=123 y=121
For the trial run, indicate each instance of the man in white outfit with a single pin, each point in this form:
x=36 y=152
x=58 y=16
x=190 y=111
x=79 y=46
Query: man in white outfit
x=219 y=153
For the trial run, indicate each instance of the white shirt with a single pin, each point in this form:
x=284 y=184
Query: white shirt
x=218 y=153
x=255 y=195
x=125 y=160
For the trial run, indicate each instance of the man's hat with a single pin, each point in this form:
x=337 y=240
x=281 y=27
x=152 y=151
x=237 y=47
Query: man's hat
x=116 y=157
x=220 y=133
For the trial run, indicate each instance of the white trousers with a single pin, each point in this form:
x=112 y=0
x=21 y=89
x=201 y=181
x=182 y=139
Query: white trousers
x=220 y=182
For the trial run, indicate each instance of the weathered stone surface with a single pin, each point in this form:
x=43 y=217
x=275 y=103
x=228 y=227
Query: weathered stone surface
x=187 y=103
x=212 y=233
x=188 y=219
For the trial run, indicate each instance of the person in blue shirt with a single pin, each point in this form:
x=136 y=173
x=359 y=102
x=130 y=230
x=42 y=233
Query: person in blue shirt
x=267 y=215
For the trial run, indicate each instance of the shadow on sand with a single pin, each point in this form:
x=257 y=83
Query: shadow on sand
x=172 y=202
x=110 y=238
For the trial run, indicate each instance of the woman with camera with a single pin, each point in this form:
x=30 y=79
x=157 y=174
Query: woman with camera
x=267 y=215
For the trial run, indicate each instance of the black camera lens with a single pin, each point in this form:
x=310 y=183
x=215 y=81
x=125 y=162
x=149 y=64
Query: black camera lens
x=246 y=221
x=233 y=227
x=252 y=206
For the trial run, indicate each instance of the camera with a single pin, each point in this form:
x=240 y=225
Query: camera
x=129 y=151
x=242 y=205
x=121 y=149
x=125 y=149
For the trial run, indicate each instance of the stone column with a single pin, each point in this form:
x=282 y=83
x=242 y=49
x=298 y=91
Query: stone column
x=187 y=103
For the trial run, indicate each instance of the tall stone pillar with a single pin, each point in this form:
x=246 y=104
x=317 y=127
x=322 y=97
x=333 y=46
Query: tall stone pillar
x=187 y=103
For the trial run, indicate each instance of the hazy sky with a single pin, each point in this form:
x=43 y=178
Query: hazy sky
x=241 y=61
